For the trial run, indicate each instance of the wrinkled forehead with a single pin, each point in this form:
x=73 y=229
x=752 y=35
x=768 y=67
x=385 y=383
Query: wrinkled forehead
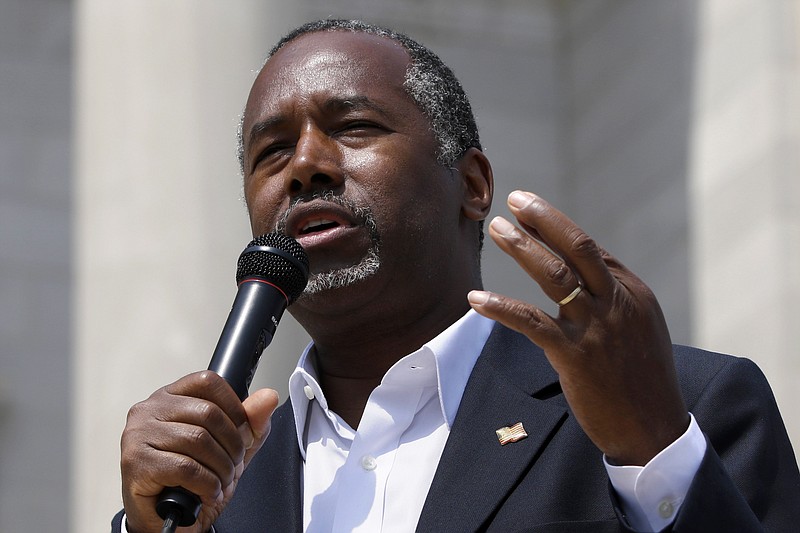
x=331 y=61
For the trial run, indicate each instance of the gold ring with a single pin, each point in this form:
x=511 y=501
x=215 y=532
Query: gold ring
x=571 y=296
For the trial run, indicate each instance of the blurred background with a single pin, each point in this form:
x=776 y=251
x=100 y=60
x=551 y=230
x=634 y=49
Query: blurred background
x=669 y=130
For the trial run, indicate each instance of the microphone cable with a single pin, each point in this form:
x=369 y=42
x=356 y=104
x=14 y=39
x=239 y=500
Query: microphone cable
x=171 y=522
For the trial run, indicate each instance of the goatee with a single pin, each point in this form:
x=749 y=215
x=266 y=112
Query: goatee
x=346 y=276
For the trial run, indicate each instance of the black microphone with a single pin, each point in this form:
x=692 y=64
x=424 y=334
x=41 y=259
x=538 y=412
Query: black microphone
x=271 y=273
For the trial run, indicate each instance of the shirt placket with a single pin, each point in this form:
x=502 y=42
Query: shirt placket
x=364 y=476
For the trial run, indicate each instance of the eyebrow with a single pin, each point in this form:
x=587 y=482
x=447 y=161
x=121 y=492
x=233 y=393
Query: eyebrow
x=331 y=105
x=353 y=103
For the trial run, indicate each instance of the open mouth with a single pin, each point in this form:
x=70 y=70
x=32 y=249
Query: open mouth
x=331 y=232
x=317 y=225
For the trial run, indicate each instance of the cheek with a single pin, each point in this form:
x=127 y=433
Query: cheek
x=417 y=204
x=395 y=168
x=263 y=204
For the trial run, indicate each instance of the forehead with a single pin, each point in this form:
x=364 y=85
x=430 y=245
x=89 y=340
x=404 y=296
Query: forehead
x=331 y=63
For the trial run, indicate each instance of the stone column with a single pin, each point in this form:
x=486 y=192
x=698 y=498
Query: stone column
x=159 y=220
x=745 y=191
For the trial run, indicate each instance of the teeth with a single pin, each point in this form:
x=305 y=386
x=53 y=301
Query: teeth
x=311 y=224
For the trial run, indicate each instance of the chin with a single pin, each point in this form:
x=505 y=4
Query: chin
x=341 y=278
x=334 y=301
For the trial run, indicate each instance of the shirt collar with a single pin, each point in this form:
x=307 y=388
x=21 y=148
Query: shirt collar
x=454 y=350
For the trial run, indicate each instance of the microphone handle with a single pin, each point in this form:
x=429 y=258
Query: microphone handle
x=254 y=316
x=251 y=324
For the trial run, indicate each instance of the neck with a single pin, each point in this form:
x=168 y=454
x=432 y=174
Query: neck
x=352 y=359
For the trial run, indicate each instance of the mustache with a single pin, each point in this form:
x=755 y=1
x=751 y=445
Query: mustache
x=361 y=212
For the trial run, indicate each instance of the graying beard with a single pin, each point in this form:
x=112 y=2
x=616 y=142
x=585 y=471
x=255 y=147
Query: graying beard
x=343 y=277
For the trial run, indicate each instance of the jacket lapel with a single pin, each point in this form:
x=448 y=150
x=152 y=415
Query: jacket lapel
x=476 y=472
x=268 y=498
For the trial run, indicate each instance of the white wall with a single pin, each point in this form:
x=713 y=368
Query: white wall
x=628 y=72
x=35 y=257
x=744 y=186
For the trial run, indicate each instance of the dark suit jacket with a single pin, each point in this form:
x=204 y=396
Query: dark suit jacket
x=554 y=480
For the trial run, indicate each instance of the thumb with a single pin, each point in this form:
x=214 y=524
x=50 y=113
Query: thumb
x=259 y=407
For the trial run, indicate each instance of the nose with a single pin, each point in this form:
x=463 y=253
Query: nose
x=315 y=165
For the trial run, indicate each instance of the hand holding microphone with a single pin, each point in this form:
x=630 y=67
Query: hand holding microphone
x=196 y=433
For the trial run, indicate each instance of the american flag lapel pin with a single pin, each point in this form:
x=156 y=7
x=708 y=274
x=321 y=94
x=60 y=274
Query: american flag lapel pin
x=511 y=433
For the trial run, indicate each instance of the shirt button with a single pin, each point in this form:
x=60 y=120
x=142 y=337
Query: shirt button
x=369 y=463
x=309 y=392
x=666 y=509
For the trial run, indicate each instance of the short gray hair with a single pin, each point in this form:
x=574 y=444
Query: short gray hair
x=429 y=82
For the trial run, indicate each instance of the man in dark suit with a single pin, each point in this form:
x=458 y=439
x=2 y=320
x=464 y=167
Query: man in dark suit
x=425 y=402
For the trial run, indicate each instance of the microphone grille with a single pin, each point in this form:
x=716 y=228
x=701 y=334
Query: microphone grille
x=278 y=259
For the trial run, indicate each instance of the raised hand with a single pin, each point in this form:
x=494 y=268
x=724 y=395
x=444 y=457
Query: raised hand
x=608 y=342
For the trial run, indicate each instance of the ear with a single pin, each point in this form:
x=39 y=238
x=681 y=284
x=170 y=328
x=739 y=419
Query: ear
x=477 y=183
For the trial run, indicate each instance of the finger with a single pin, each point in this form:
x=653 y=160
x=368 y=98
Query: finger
x=208 y=385
x=553 y=275
x=209 y=424
x=259 y=407
x=178 y=470
x=146 y=470
x=565 y=238
x=196 y=444
x=542 y=329
x=157 y=428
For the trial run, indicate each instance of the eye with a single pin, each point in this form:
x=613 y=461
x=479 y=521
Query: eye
x=357 y=125
x=359 y=128
x=271 y=152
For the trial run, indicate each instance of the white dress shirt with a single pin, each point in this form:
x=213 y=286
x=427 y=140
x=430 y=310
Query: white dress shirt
x=375 y=478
